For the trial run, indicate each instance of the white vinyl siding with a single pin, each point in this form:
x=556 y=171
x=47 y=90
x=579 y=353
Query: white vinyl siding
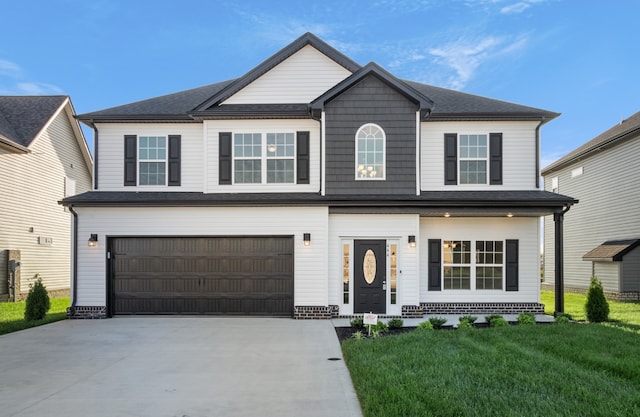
x=111 y=154
x=212 y=130
x=300 y=78
x=392 y=228
x=608 y=273
x=524 y=229
x=310 y=268
x=518 y=154
x=608 y=209
x=31 y=186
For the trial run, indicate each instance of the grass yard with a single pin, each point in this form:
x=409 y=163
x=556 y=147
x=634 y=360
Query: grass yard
x=12 y=315
x=621 y=314
x=543 y=370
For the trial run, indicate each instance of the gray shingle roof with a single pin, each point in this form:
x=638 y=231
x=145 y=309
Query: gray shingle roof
x=447 y=104
x=432 y=199
x=612 y=250
x=626 y=129
x=22 y=117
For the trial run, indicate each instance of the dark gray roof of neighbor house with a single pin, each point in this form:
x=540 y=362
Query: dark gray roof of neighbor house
x=22 y=117
x=205 y=101
x=427 y=199
x=626 y=129
x=612 y=250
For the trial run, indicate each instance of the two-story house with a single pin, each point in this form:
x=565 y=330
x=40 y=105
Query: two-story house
x=312 y=187
x=43 y=158
x=602 y=233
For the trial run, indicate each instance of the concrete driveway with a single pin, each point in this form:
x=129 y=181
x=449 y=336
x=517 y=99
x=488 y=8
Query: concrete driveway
x=174 y=366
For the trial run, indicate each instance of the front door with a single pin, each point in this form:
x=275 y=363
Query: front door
x=370 y=275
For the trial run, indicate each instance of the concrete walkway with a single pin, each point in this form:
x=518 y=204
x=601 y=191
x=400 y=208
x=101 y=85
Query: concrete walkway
x=168 y=366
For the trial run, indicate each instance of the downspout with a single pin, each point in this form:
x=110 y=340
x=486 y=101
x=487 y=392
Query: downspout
x=74 y=296
x=559 y=261
x=322 y=127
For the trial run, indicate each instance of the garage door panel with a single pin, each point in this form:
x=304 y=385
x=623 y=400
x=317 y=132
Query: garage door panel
x=217 y=275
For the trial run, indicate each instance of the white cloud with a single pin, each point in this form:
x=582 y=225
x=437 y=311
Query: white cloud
x=13 y=82
x=503 y=6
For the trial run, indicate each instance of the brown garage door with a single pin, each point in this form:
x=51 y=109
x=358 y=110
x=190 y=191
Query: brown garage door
x=202 y=275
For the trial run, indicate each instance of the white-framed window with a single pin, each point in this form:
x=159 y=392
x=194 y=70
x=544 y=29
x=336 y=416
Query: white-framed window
x=554 y=185
x=393 y=273
x=346 y=271
x=473 y=161
x=370 y=152
x=258 y=161
x=152 y=160
x=473 y=265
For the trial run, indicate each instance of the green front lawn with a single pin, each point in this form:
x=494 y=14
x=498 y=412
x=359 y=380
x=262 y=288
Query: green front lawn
x=12 y=315
x=543 y=370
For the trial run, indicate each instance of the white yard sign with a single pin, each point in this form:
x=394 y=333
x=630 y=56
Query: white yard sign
x=370 y=318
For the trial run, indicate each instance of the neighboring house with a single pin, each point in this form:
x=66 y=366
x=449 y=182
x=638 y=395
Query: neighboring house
x=601 y=233
x=312 y=187
x=43 y=158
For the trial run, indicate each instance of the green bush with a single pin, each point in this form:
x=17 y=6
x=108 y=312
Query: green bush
x=596 y=307
x=526 y=318
x=357 y=323
x=563 y=318
x=437 y=322
x=37 y=303
x=470 y=319
x=395 y=323
x=496 y=320
x=379 y=328
x=465 y=324
x=425 y=325
x=491 y=317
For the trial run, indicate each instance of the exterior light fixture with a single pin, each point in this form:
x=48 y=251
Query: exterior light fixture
x=412 y=241
x=93 y=239
x=306 y=238
x=447 y=215
x=509 y=215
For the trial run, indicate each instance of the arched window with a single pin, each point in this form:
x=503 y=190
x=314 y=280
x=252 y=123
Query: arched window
x=370 y=152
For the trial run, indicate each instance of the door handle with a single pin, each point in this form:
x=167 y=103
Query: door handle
x=384 y=285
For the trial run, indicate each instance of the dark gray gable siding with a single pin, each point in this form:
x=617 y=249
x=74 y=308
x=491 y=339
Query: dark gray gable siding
x=370 y=101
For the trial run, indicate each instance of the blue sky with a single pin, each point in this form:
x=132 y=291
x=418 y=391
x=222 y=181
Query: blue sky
x=576 y=57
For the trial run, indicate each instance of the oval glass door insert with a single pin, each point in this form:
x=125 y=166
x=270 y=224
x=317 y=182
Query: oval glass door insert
x=369 y=266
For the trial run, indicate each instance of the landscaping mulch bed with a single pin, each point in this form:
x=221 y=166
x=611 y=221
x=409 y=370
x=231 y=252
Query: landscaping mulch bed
x=345 y=333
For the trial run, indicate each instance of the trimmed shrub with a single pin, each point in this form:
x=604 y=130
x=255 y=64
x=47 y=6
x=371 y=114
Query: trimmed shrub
x=379 y=328
x=526 y=318
x=470 y=319
x=465 y=324
x=563 y=318
x=425 y=325
x=597 y=307
x=395 y=323
x=497 y=320
x=437 y=322
x=357 y=323
x=491 y=317
x=37 y=303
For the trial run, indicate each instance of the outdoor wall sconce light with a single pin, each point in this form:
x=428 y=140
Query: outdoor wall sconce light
x=412 y=241
x=509 y=215
x=93 y=239
x=447 y=215
x=306 y=238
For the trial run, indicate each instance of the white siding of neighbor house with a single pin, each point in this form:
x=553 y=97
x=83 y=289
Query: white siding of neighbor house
x=525 y=229
x=310 y=286
x=213 y=129
x=608 y=273
x=609 y=209
x=32 y=184
x=518 y=153
x=300 y=78
x=111 y=154
x=349 y=227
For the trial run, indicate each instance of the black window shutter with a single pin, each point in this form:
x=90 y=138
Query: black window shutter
x=174 y=160
x=130 y=157
x=512 y=265
x=224 y=158
x=450 y=159
x=495 y=158
x=302 y=157
x=435 y=257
